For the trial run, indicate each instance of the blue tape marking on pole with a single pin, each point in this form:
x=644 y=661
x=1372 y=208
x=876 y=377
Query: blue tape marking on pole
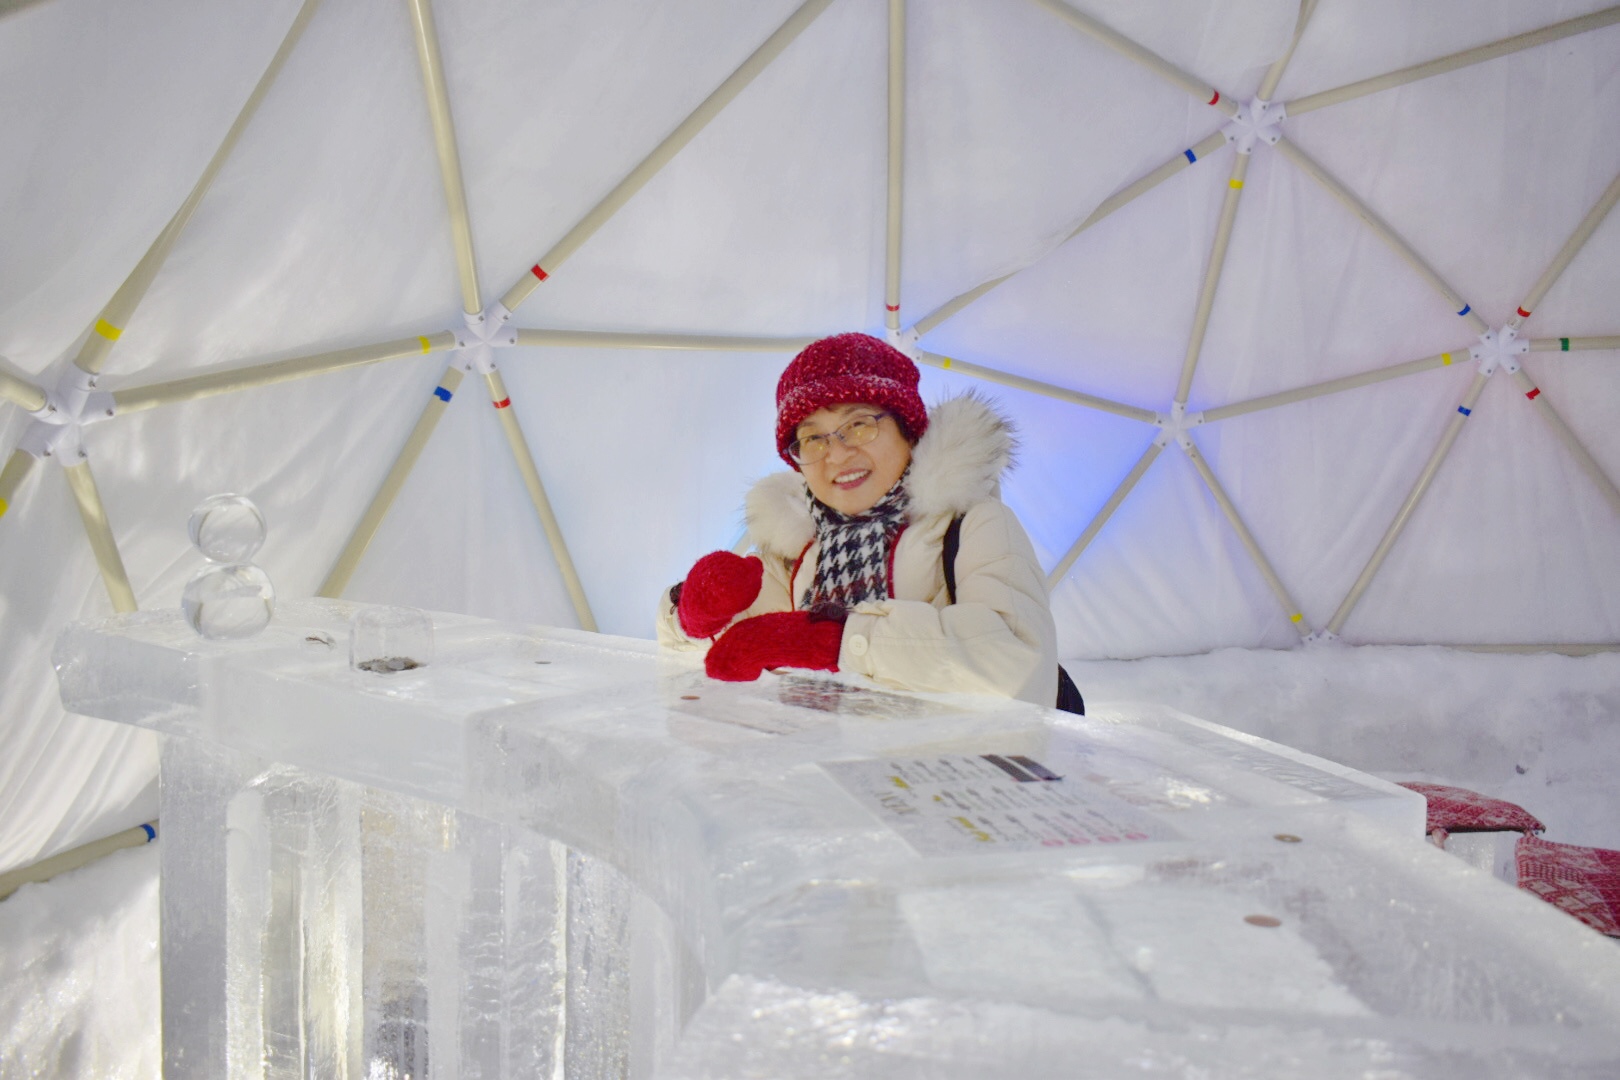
x=1465 y=410
x=151 y=833
x=1191 y=157
x=441 y=393
x=1466 y=309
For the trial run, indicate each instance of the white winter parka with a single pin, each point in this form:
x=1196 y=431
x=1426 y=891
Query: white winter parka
x=997 y=638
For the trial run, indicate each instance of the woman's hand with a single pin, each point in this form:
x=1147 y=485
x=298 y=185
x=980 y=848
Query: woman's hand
x=719 y=587
x=779 y=639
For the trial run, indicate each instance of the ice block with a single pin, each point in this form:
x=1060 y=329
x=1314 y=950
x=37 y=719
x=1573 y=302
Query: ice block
x=558 y=853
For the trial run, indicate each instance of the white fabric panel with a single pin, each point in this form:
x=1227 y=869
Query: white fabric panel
x=770 y=222
x=1347 y=42
x=1021 y=124
x=327 y=228
x=1166 y=570
x=111 y=112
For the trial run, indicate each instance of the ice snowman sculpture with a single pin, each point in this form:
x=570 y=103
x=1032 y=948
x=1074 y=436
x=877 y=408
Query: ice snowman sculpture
x=230 y=597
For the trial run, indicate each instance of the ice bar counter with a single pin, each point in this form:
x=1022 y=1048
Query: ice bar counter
x=556 y=854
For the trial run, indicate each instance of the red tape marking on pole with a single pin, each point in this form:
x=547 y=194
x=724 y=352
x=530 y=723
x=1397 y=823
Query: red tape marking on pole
x=892 y=307
x=537 y=272
x=503 y=403
x=1531 y=394
x=1216 y=98
x=1523 y=314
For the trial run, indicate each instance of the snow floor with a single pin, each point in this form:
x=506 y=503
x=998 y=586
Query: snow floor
x=79 y=973
x=79 y=957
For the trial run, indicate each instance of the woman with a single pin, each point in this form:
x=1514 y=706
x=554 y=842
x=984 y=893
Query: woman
x=849 y=572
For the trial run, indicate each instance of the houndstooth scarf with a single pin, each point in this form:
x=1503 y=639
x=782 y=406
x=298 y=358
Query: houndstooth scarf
x=853 y=564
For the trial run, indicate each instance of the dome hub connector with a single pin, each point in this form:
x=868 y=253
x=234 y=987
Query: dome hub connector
x=73 y=403
x=1257 y=120
x=483 y=333
x=1499 y=350
x=1174 y=425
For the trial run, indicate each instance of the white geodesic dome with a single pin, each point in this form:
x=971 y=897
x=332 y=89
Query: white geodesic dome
x=1233 y=371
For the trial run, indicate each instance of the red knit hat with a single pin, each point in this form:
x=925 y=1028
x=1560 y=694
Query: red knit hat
x=843 y=370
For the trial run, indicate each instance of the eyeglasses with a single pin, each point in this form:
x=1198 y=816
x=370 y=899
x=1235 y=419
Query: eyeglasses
x=856 y=432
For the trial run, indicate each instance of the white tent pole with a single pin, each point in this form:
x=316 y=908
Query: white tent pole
x=1395 y=371
x=664 y=152
x=21 y=392
x=1193 y=154
x=94 y=515
x=1274 y=74
x=955 y=304
x=591 y=339
x=1206 y=146
x=229 y=380
x=537 y=494
x=1476 y=55
x=1101 y=518
x=110 y=323
x=1566 y=254
x=1146 y=57
x=1574 y=344
x=1559 y=428
x=366 y=528
x=1361 y=210
x=72 y=859
x=1581 y=649
x=1223 y=229
x=444 y=141
x=1212 y=275
x=1296 y=618
x=18 y=466
x=1076 y=397
x=897 y=158
x=1419 y=489
x=1334 y=386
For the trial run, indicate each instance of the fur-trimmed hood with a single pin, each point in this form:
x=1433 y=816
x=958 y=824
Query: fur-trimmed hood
x=958 y=462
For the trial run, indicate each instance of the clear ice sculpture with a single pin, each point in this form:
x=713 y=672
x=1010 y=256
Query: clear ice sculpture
x=385 y=640
x=552 y=853
x=227 y=528
x=231 y=597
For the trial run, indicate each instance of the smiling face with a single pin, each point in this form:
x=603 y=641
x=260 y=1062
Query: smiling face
x=851 y=479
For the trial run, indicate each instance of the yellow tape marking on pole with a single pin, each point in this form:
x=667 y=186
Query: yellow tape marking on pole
x=1234 y=183
x=1297 y=616
x=4 y=506
x=427 y=346
x=1445 y=358
x=945 y=362
x=108 y=330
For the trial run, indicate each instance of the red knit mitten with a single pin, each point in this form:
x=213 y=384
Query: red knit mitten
x=779 y=639
x=719 y=586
